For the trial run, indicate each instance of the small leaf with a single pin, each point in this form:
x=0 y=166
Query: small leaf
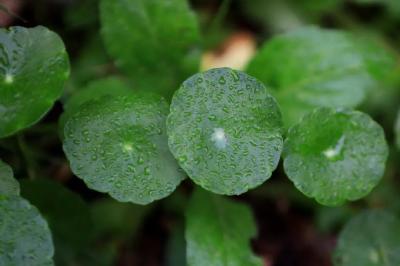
x=33 y=68
x=218 y=231
x=313 y=67
x=335 y=155
x=225 y=130
x=151 y=38
x=372 y=238
x=8 y=185
x=119 y=145
x=25 y=238
x=111 y=87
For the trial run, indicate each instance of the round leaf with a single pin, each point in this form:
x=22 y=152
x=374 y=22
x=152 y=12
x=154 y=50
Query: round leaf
x=33 y=68
x=225 y=130
x=313 y=67
x=335 y=155
x=372 y=238
x=118 y=145
x=151 y=38
x=25 y=238
x=8 y=185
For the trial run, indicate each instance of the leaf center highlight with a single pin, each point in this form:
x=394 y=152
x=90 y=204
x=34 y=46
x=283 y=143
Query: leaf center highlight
x=219 y=138
x=333 y=152
x=8 y=79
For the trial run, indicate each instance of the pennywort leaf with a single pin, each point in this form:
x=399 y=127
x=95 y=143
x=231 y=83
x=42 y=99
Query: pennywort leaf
x=371 y=238
x=8 y=184
x=214 y=233
x=25 y=238
x=314 y=67
x=33 y=68
x=334 y=155
x=151 y=38
x=225 y=130
x=119 y=145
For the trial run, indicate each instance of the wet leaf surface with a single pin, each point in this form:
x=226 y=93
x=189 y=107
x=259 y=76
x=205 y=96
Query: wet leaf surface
x=225 y=130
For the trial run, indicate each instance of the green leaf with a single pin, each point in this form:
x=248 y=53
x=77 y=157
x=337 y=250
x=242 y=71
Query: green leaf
x=218 y=231
x=372 y=238
x=334 y=155
x=119 y=145
x=33 y=68
x=154 y=42
x=25 y=238
x=67 y=214
x=313 y=67
x=379 y=61
x=225 y=130
x=111 y=87
x=8 y=184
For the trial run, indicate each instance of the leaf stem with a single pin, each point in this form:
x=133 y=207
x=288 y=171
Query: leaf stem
x=220 y=16
x=28 y=157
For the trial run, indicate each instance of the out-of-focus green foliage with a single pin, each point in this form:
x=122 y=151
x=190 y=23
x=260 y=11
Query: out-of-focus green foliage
x=370 y=238
x=155 y=42
x=214 y=233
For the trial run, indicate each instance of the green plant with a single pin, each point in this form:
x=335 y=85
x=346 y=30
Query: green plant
x=224 y=129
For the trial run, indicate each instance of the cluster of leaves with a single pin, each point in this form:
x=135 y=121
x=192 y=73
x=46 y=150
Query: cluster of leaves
x=224 y=129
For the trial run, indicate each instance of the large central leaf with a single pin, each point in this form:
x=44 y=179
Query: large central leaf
x=225 y=130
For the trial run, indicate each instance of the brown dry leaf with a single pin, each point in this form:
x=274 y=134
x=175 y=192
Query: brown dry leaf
x=235 y=52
